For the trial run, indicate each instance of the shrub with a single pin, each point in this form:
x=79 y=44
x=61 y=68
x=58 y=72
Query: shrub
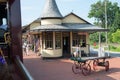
x=113 y=48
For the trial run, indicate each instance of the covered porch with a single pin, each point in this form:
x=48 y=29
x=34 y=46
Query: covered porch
x=62 y=40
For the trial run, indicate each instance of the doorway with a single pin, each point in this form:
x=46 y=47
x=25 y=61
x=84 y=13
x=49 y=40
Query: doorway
x=66 y=44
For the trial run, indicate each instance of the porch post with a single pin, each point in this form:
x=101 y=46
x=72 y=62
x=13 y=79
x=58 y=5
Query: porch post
x=99 y=51
x=54 y=41
x=15 y=28
x=71 y=50
x=41 y=43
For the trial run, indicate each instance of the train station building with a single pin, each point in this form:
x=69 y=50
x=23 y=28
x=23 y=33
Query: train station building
x=59 y=35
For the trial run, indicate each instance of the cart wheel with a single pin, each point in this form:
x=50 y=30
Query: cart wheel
x=86 y=69
x=76 y=68
x=107 y=65
x=95 y=65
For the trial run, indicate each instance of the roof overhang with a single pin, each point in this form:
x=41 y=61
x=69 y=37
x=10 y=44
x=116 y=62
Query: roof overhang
x=82 y=30
x=69 y=27
x=51 y=18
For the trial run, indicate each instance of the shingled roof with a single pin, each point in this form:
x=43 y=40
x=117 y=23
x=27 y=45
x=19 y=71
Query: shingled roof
x=51 y=10
x=69 y=27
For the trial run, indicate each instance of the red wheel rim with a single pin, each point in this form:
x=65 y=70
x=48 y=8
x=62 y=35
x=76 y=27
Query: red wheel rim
x=95 y=65
x=76 y=68
x=107 y=65
x=86 y=69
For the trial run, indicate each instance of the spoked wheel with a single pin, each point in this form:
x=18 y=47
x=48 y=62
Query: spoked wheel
x=76 y=68
x=86 y=69
x=95 y=65
x=107 y=65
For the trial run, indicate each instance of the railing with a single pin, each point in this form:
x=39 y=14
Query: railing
x=85 y=51
x=23 y=71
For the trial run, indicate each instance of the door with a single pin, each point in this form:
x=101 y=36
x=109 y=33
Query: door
x=66 y=44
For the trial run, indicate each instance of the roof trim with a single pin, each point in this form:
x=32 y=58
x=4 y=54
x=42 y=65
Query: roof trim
x=76 y=16
x=52 y=18
x=87 y=30
x=70 y=27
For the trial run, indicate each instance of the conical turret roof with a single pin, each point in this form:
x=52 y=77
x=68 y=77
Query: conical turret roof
x=51 y=10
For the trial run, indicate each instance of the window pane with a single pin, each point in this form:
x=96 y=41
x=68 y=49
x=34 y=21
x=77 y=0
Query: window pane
x=48 y=40
x=79 y=39
x=83 y=40
x=76 y=39
x=58 y=40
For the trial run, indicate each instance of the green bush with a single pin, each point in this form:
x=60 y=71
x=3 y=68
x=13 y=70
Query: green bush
x=118 y=49
x=113 y=48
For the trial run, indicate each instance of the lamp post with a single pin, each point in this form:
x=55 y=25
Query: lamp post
x=106 y=19
x=106 y=25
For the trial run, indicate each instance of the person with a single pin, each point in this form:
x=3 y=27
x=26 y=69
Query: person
x=37 y=45
x=77 y=52
x=24 y=47
x=83 y=44
x=27 y=49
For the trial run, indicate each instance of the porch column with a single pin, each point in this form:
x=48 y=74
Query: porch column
x=101 y=52
x=71 y=42
x=53 y=40
x=40 y=43
x=15 y=28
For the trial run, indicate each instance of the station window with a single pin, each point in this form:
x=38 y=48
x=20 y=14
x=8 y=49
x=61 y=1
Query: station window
x=48 y=40
x=79 y=39
x=58 y=40
x=83 y=40
x=76 y=39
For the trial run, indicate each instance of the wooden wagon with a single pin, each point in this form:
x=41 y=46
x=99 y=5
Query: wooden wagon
x=82 y=64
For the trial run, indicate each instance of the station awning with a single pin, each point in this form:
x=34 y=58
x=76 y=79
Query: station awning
x=69 y=27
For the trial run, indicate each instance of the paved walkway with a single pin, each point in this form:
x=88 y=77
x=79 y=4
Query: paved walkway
x=60 y=69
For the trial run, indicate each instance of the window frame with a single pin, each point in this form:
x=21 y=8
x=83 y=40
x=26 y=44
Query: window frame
x=58 y=37
x=48 y=40
x=77 y=39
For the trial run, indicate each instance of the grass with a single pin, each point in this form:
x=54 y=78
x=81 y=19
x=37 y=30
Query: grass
x=115 y=49
x=112 y=47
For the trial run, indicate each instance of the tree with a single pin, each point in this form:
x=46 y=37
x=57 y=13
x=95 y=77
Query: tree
x=98 y=12
x=113 y=15
x=94 y=37
x=115 y=26
x=116 y=23
x=116 y=36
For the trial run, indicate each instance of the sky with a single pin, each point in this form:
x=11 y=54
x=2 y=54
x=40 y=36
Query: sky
x=32 y=9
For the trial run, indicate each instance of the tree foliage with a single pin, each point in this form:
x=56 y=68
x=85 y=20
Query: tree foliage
x=113 y=16
x=98 y=12
x=116 y=36
x=116 y=23
x=94 y=37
